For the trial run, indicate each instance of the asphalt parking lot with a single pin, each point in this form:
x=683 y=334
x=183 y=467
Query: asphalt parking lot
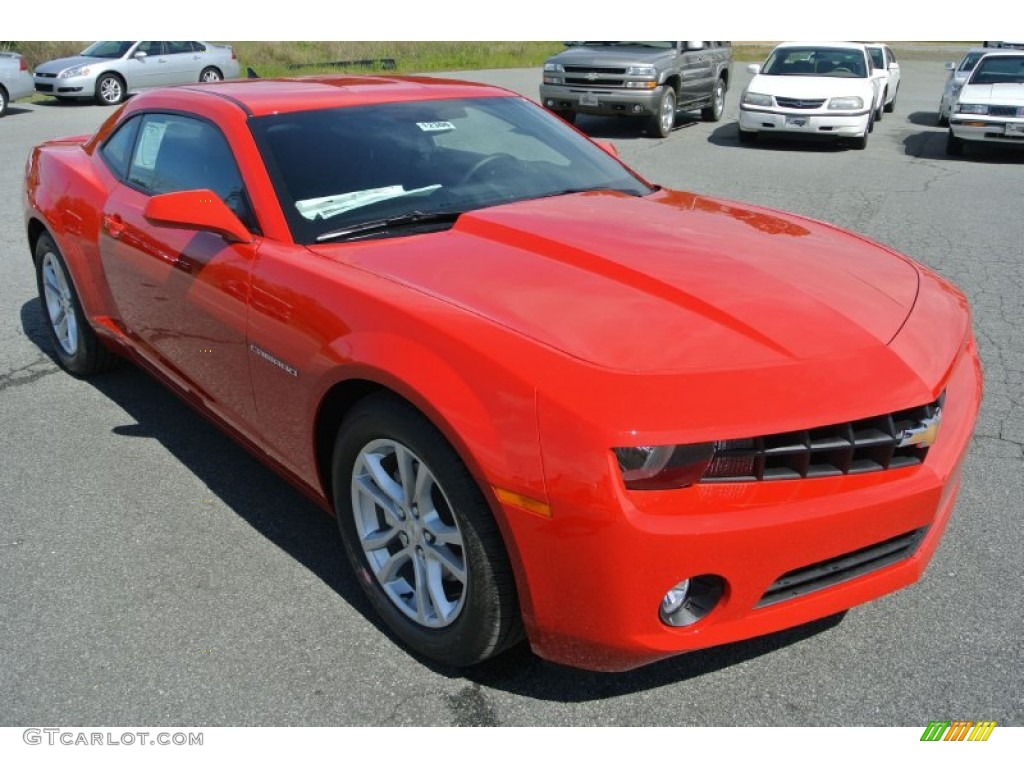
x=152 y=572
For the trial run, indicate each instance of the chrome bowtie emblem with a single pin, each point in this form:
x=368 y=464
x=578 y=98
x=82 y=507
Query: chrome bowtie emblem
x=923 y=433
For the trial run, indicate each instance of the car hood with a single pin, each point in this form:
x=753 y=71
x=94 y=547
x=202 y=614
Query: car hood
x=997 y=93
x=668 y=282
x=809 y=87
x=59 y=65
x=599 y=56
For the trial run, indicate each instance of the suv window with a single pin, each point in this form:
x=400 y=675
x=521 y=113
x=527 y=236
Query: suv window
x=175 y=153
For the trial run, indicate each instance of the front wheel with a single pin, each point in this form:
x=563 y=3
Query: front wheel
x=421 y=537
x=747 y=137
x=861 y=142
x=662 y=123
x=954 y=146
x=110 y=90
x=713 y=112
x=75 y=345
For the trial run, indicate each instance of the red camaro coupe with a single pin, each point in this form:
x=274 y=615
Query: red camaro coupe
x=542 y=396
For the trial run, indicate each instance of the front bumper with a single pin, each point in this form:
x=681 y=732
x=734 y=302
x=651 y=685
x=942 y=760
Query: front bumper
x=990 y=129
x=845 y=124
x=597 y=569
x=82 y=87
x=600 y=101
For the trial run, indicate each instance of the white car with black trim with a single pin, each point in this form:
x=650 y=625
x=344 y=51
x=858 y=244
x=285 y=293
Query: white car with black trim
x=821 y=89
x=886 y=70
x=990 y=106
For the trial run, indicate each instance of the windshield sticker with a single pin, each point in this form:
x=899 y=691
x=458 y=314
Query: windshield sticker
x=326 y=207
x=149 y=144
x=439 y=126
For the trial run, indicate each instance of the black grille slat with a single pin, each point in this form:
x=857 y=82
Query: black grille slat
x=1000 y=111
x=597 y=70
x=850 y=448
x=827 y=573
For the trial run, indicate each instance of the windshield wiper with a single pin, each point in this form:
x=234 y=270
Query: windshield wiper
x=405 y=221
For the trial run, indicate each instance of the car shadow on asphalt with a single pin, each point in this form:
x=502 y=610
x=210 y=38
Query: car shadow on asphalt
x=292 y=522
x=931 y=145
x=728 y=135
x=624 y=127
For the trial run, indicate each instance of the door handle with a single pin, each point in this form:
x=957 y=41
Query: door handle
x=114 y=225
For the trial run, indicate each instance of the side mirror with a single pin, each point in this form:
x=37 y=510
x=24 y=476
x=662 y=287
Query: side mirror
x=950 y=65
x=140 y=55
x=197 y=209
x=608 y=147
x=754 y=69
x=693 y=45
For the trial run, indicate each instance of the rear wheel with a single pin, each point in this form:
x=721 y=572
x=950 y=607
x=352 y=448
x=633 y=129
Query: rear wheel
x=662 y=123
x=3 y=101
x=210 y=75
x=892 y=104
x=713 y=112
x=421 y=536
x=75 y=345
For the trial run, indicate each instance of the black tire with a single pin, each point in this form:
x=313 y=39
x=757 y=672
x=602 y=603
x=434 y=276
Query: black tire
x=892 y=104
x=954 y=146
x=747 y=137
x=942 y=120
x=881 y=110
x=455 y=622
x=4 y=101
x=75 y=345
x=861 y=142
x=210 y=75
x=714 y=111
x=660 y=124
x=110 y=89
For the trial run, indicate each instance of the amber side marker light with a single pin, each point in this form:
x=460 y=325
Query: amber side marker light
x=520 y=501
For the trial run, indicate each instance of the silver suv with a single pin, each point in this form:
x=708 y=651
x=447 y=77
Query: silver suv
x=653 y=80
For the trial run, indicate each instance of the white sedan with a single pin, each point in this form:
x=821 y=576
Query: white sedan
x=15 y=80
x=959 y=71
x=990 y=106
x=821 y=89
x=886 y=70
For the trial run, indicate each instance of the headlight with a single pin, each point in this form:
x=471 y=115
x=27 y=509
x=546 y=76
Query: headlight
x=552 y=66
x=643 y=70
x=656 y=467
x=972 y=109
x=846 y=102
x=74 y=72
x=757 y=99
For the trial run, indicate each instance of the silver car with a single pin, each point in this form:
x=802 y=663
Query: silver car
x=15 y=81
x=108 y=70
x=958 y=74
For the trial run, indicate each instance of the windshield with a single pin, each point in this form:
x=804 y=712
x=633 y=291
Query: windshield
x=999 y=69
x=337 y=169
x=816 y=62
x=109 y=49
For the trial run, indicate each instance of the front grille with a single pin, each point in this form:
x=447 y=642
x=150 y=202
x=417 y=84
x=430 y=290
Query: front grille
x=1005 y=111
x=827 y=573
x=851 y=448
x=44 y=87
x=45 y=74
x=597 y=70
x=799 y=103
x=600 y=81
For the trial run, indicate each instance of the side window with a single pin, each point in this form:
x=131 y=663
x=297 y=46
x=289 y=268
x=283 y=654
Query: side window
x=117 y=150
x=175 y=153
x=179 y=46
x=151 y=48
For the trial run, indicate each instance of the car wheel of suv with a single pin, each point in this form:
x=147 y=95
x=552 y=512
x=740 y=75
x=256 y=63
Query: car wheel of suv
x=954 y=146
x=110 y=90
x=662 y=123
x=210 y=75
x=420 y=535
x=75 y=345
x=713 y=113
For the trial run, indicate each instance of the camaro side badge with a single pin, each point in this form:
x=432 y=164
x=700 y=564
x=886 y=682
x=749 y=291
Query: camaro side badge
x=271 y=359
x=923 y=434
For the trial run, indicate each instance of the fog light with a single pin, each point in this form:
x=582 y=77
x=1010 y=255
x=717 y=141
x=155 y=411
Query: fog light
x=691 y=600
x=549 y=103
x=638 y=108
